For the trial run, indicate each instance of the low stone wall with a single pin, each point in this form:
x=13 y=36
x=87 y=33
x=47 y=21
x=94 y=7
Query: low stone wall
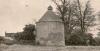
x=68 y=48
x=51 y=48
x=82 y=48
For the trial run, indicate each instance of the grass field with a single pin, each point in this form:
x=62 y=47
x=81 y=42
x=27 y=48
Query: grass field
x=47 y=48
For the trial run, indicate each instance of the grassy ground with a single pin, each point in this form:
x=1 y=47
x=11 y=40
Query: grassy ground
x=3 y=47
x=25 y=48
x=47 y=48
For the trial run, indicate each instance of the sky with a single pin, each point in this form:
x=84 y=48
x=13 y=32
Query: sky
x=15 y=14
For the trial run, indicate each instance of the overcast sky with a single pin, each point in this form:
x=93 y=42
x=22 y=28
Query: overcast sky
x=14 y=14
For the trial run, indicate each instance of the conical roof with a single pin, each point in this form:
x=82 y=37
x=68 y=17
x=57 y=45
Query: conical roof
x=50 y=16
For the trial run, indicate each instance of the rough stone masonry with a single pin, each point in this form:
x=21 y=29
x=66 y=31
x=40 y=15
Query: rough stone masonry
x=50 y=29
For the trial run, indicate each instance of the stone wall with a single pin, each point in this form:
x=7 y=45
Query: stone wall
x=50 y=33
x=51 y=48
x=75 y=48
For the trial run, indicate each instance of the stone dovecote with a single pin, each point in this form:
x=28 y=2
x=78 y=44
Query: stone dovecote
x=50 y=29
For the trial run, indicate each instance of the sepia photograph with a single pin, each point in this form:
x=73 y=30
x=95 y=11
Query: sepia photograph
x=49 y=25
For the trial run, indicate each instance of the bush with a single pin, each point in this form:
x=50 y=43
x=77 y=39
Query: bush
x=1 y=39
x=81 y=40
x=27 y=34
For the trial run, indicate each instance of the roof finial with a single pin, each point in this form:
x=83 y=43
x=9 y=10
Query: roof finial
x=50 y=7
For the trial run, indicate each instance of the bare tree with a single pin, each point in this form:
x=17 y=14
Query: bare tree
x=65 y=10
x=86 y=16
x=74 y=15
